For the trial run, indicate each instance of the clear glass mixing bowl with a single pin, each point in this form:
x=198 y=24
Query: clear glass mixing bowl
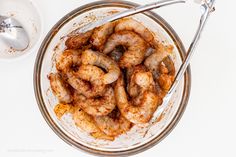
x=139 y=138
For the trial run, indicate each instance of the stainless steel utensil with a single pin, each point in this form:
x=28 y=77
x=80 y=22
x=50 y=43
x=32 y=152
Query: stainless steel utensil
x=129 y=12
x=13 y=33
x=207 y=6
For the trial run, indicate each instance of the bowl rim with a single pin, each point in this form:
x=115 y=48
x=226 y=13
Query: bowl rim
x=37 y=74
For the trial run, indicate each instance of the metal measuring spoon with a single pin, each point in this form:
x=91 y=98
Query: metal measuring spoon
x=12 y=32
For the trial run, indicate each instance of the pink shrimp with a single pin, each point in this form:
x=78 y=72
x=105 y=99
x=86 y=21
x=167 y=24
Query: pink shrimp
x=87 y=123
x=113 y=124
x=101 y=34
x=152 y=62
x=103 y=61
x=87 y=81
x=99 y=106
x=139 y=109
x=60 y=88
x=67 y=60
x=135 y=45
x=129 y=24
x=78 y=40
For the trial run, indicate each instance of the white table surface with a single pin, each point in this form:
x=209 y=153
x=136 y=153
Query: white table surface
x=208 y=126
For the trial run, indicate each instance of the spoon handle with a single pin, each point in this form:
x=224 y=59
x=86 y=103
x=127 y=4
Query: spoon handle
x=206 y=9
x=130 y=12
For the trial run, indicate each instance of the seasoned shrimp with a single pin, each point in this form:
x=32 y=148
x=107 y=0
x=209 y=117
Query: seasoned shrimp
x=152 y=62
x=87 y=123
x=139 y=80
x=129 y=24
x=167 y=64
x=67 y=63
x=101 y=34
x=135 y=45
x=93 y=75
x=78 y=40
x=67 y=60
x=113 y=124
x=60 y=88
x=131 y=87
x=70 y=59
x=117 y=53
x=99 y=106
x=167 y=73
x=137 y=110
x=103 y=61
x=87 y=81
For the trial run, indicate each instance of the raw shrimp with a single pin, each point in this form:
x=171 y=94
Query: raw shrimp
x=168 y=64
x=130 y=24
x=167 y=73
x=67 y=63
x=101 y=34
x=117 y=53
x=60 y=88
x=78 y=40
x=139 y=80
x=87 y=123
x=99 y=106
x=87 y=81
x=103 y=61
x=131 y=87
x=137 y=110
x=135 y=45
x=152 y=62
x=67 y=60
x=113 y=124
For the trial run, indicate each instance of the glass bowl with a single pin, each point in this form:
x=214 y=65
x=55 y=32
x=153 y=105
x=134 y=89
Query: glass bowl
x=139 y=138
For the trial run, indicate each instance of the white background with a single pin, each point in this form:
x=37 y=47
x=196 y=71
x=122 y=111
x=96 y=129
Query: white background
x=208 y=126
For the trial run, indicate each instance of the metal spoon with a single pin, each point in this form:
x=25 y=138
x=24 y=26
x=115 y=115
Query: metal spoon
x=207 y=6
x=12 y=33
x=128 y=12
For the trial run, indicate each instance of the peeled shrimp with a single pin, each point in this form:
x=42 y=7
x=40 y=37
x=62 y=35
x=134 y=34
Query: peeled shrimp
x=128 y=24
x=78 y=40
x=117 y=53
x=103 y=61
x=67 y=60
x=167 y=73
x=101 y=34
x=59 y=88
x=152 y=62
x=87 y=123
x=139 y=80
x=168 y=65
x=137 y=110
x=93 y=75
x=113 y=124
x=71 y=58
x=136 y=47
x=97 y=106
x=87 y=81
